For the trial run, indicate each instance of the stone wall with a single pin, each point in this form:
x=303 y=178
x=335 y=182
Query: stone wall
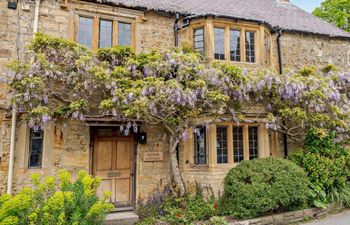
x=310 y=50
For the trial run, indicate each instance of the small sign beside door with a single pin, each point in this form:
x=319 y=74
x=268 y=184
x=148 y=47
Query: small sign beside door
x=153 y=156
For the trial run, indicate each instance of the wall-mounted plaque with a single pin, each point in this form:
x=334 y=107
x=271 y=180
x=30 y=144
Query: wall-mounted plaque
x=153 y=156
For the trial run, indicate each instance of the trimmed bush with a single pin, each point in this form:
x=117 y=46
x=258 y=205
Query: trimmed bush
x=260 y=186
x=52 y=202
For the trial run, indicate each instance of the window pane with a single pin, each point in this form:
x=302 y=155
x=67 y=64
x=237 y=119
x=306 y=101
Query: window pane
x=235 y=45
x=35 y=148
x=198 y=38
x=85 y=31
x=200 y=150
x=250 y=46
x=253 y=143
x=124 y=34
x=221 y=141
x=238 y=150
x=105 y=34
x=219 y=43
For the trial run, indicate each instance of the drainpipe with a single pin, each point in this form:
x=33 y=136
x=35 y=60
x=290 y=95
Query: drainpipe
x=176 y=30
x=14 y=112
x=280 y=63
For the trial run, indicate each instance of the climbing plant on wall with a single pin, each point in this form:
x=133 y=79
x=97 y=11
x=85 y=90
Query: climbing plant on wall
x=174 y=89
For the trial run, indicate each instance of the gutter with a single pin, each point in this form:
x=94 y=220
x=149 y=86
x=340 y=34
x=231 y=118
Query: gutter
x=14 y=112
x=280 y=64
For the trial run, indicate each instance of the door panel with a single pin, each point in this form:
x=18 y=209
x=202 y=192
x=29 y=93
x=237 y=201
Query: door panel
x=106 y=185
x=113 y=162
x=104 y=156
x=123 y=193
x=123 y=155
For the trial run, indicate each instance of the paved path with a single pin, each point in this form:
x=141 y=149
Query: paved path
x=338 y=219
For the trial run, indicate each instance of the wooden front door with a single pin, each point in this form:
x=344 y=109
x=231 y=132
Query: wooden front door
x=113 y=158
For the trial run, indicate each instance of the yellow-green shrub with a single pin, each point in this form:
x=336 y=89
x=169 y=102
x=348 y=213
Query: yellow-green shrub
x=54 y=201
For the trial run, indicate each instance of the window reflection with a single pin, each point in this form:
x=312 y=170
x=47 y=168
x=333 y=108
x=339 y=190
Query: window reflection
x=85 y=31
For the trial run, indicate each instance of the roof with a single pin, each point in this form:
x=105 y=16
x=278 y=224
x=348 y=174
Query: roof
x=272 y=12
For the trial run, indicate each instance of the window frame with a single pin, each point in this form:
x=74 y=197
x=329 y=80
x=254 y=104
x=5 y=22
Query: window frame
x=30 y=131
x=264 y=146
x=97 y=17
x=99 y=31
x=255 y=45
x=195 y=156
x=194 y=40
x=209 y=24
x=224 y=42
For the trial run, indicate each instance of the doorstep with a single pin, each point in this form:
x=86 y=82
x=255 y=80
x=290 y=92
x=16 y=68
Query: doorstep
x=121 y=218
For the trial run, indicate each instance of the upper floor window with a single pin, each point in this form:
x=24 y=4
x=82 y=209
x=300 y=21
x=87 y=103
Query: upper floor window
x=235 y=45
x=198 y=40
x=105 y=34
x=85 y=31
x=250 y=46
x=232 y=41
x=35 y=148
x=219 y=43
x=200 y=150
x=124 y=34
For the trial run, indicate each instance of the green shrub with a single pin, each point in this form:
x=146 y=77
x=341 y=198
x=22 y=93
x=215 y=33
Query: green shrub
x=56 y=202
x=188 y=209
x=164 y=207
x=327 y=165
x=259 y=186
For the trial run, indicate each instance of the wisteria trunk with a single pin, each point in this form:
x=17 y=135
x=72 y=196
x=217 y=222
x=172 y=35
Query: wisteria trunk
x=175 y=170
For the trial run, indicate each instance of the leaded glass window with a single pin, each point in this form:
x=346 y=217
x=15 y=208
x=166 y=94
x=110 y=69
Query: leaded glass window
x=36 y=148
x=221 y=141
x=85 y=31
x=253 y=143
x=219 y=43
x=250 y=46
x=235 y=45
x=105 y=34
x=198 y=39
x=124 y=34
x=200 y=150
x=238 y=149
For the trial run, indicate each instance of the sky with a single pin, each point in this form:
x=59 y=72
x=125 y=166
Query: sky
x=307 y=5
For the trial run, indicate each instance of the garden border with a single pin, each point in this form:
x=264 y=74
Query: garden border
x=292 y=217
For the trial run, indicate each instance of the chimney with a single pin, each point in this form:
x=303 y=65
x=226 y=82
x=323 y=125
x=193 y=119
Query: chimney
x=283 y=1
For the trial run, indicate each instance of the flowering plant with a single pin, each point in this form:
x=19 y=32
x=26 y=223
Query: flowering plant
x=174 y=89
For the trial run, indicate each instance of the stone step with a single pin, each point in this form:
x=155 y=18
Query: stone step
x=121 y=218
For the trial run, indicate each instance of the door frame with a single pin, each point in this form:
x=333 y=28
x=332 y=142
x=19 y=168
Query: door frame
x=93 y=136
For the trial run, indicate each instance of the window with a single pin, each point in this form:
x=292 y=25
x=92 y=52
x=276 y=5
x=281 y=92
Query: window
x=235 y=45
x=200 y=150
x=35 y=148
x=198 y=39
x=124 y=34
x=85 y=31
x=250 y=46
x=253 y=143
x=105 y=34
x=219 y=43
x=238 y=149
x=221 y=142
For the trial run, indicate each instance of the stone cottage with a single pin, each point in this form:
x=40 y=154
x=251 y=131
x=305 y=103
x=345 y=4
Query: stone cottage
x=255 y=34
